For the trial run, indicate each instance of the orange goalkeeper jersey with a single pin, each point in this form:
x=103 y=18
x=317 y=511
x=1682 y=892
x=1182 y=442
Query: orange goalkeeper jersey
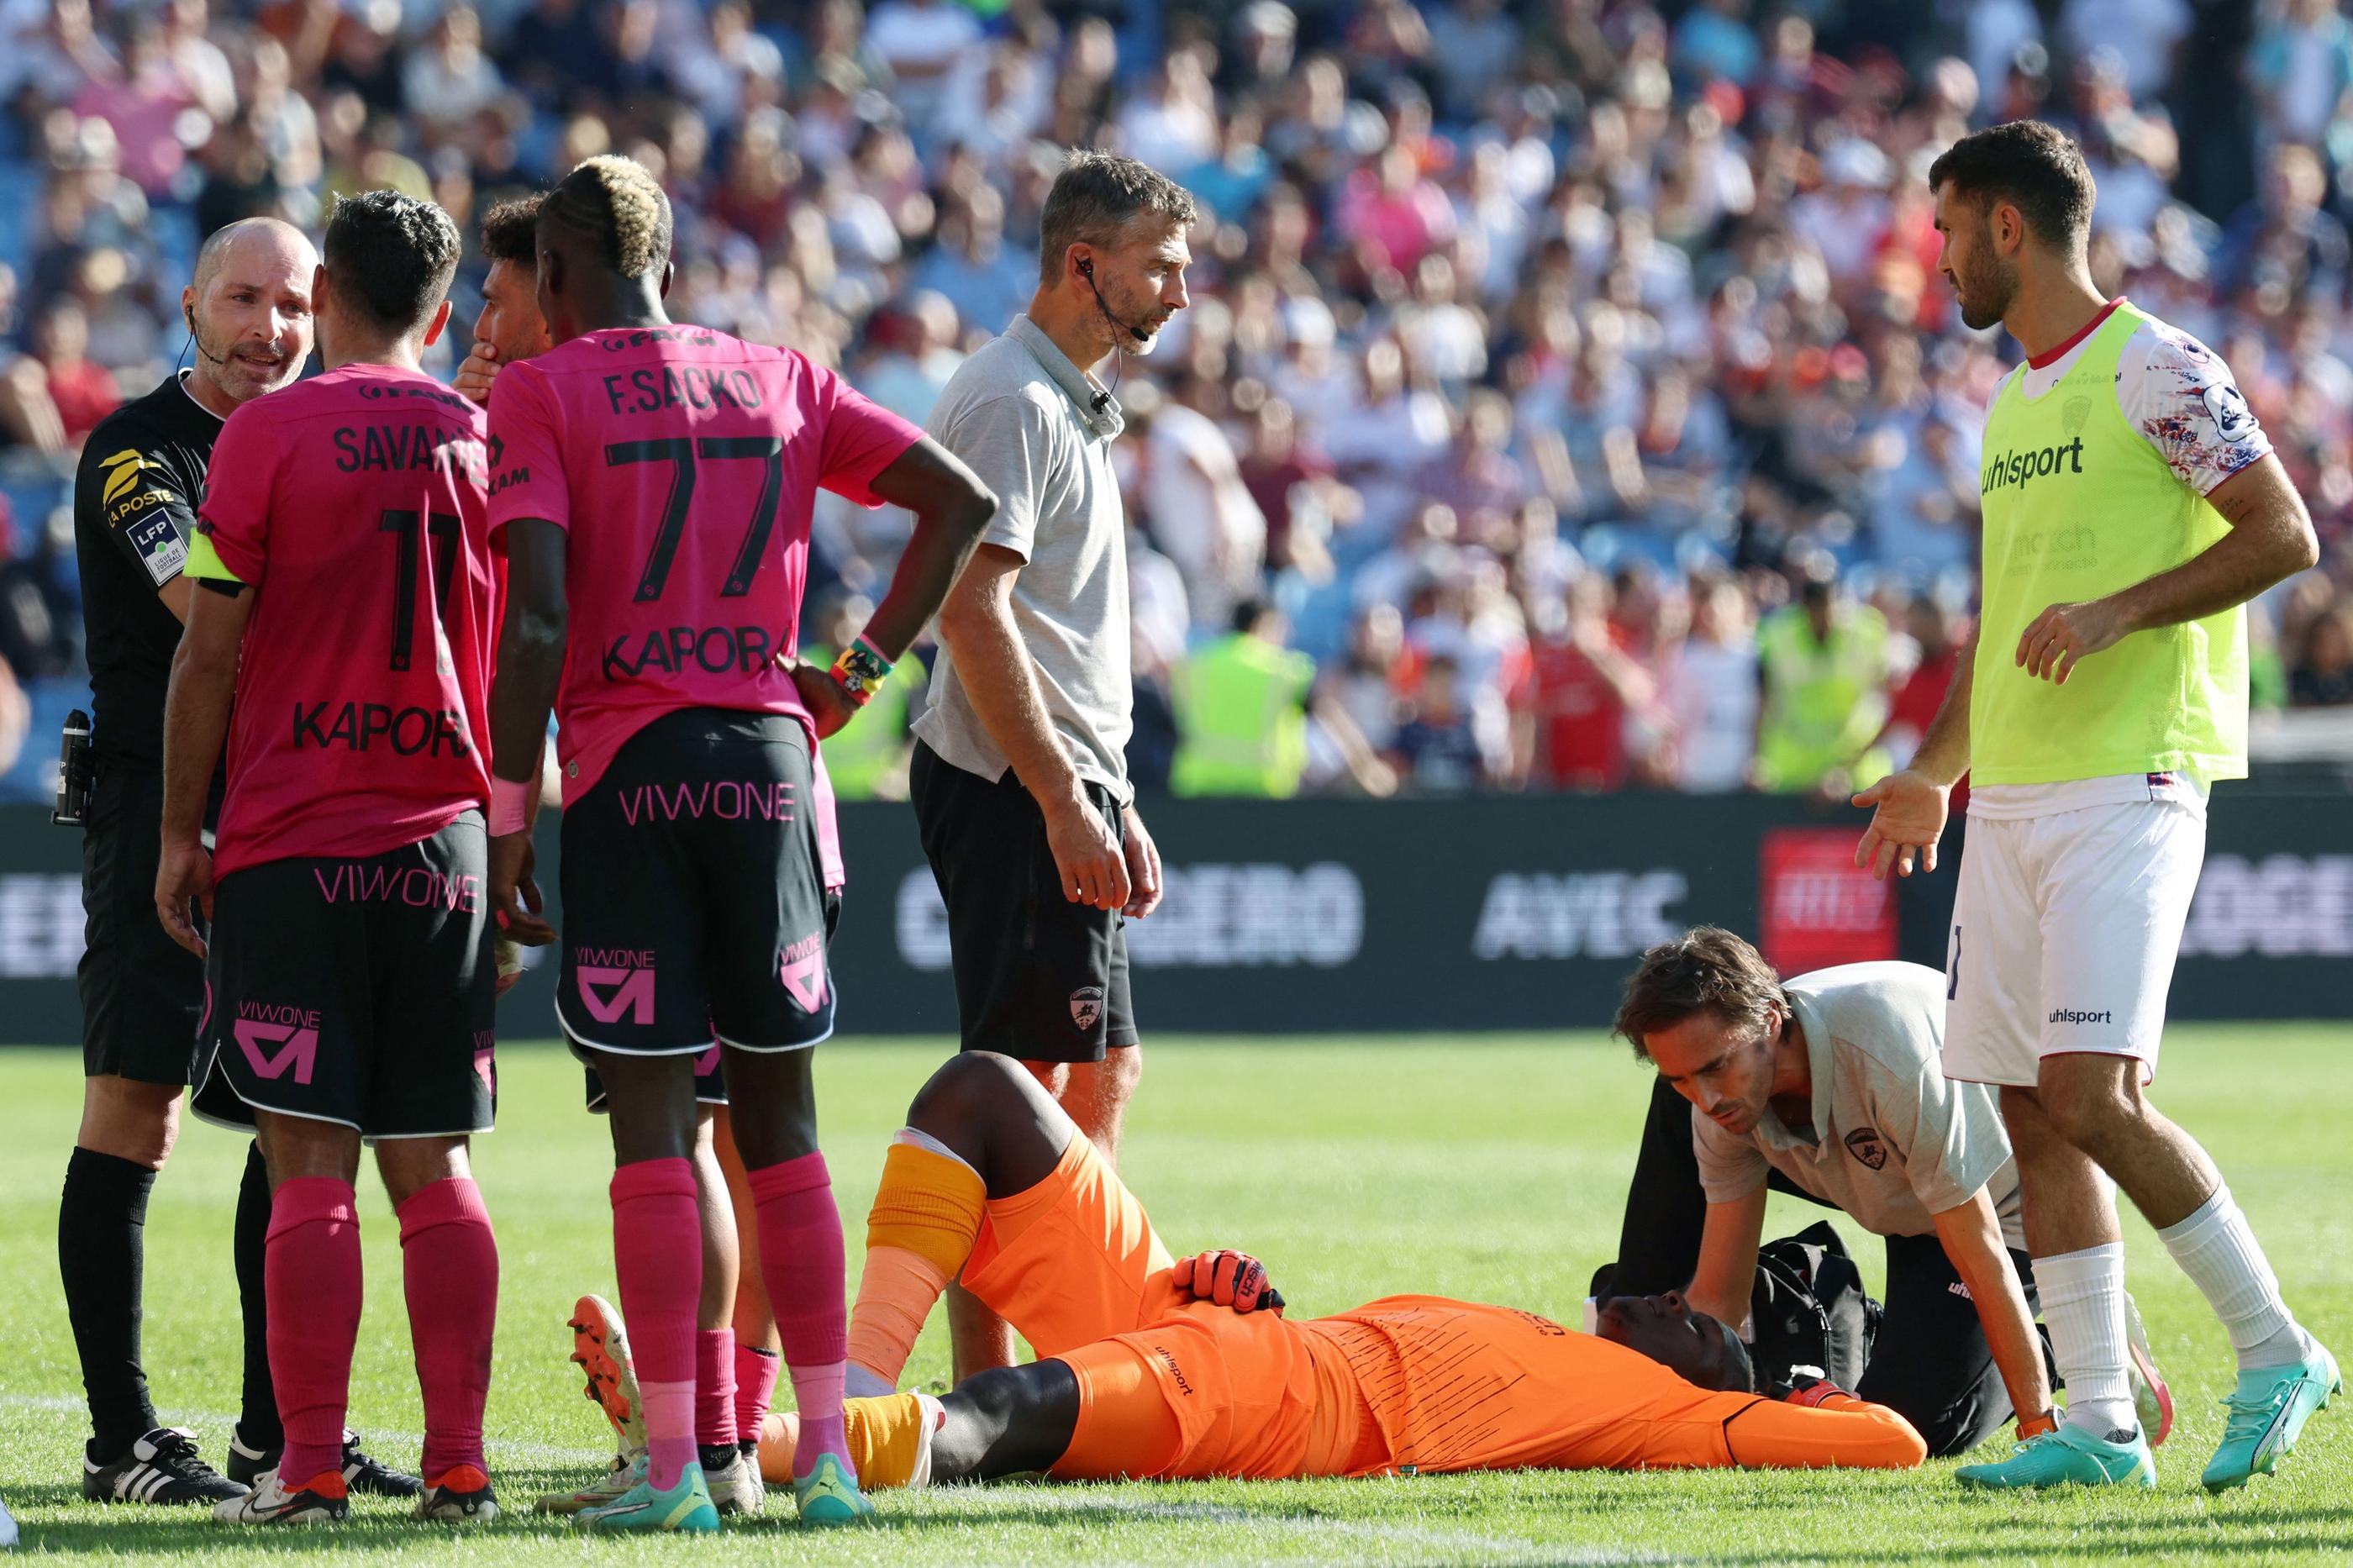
x=1407 y=1383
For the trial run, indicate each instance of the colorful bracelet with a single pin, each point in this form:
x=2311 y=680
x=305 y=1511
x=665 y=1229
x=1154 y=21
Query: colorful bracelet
x=861 y=669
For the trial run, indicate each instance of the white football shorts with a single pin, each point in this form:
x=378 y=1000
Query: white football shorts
x=2065 y=929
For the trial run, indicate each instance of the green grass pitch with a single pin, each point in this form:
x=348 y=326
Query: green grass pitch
x=1486 y=1168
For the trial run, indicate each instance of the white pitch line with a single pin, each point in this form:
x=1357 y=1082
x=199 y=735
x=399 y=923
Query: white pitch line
x=534 y=1452
x=1457 y=1542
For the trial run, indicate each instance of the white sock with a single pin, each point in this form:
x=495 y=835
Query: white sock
x=916 y=1137
x=2215 y=1247
x=935 y=1415
x=2084 y=1307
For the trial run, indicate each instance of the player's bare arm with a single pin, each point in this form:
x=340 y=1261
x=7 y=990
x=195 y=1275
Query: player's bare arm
x=529 y=664
x=1726 y=1273
x=1971 y=1235
x=1911 y=806
x=976 y=623
x=195 y=721
x=2271 y=537
x=952 y=508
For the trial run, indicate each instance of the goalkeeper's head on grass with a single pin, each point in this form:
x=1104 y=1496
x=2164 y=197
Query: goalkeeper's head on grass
x=654 y=481
x=344 y=588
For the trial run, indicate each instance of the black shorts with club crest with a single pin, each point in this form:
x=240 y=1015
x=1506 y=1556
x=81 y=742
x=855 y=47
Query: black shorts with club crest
x=356 y=989
x=694 y=901
x=1037 y=976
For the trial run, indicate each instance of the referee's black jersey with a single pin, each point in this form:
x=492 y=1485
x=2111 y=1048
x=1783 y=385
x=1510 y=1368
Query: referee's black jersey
x=135 y=500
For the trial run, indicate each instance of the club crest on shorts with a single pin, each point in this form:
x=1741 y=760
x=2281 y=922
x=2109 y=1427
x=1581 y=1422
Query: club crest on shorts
x=1086 y=1005
x=1864 y=1144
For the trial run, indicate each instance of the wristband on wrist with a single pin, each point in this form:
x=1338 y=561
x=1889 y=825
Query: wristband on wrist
x=861 y=669
x=509 y=806
x=2037 y=1425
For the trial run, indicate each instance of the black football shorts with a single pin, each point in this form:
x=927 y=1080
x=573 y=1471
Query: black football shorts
x=1037 y=976
x=356 y=990
x=694 y=901
x=142 y=993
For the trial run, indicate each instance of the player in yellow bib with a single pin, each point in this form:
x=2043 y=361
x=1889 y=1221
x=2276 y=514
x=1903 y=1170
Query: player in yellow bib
x=2132 y=508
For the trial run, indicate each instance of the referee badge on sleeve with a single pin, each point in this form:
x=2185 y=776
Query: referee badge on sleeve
x=161 y=549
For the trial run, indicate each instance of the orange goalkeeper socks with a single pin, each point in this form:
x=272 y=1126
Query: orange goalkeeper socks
x=921 y=1229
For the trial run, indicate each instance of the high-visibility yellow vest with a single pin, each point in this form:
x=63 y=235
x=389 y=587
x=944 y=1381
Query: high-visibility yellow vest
x=2078 y=505
x=1242 y=726
x=1823 y=701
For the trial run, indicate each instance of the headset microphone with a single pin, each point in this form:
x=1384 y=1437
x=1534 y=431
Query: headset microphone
x=1087 y=271
x=197 y=338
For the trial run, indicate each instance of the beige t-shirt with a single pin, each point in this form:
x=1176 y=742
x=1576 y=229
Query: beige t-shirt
x=1894 y=1141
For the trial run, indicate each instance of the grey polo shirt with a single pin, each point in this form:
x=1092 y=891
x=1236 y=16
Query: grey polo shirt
x=1894 y=1141
x=1038 y=431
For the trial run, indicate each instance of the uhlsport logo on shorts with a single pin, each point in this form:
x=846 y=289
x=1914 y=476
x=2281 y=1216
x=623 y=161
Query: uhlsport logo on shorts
x=2072 y=1015
x=1086 y=1005
x=278 y=1038
x=628 y=971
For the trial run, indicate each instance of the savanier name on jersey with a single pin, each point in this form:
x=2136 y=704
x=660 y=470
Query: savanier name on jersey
x=363 y=448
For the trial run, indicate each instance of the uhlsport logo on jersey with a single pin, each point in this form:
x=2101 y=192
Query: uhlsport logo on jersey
x=2075 y=1015
x=613 y=981
x=2023 y=466
x=277 y=1039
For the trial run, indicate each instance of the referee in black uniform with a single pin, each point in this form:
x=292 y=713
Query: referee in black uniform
x=143 y=471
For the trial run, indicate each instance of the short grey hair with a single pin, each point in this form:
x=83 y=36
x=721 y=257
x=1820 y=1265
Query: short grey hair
x=1096 y=198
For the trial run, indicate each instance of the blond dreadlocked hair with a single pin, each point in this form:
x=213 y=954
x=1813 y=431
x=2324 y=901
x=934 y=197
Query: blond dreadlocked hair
x=616 y=202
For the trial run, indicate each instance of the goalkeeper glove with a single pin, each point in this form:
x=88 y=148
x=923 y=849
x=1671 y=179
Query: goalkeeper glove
x=1229 y=1278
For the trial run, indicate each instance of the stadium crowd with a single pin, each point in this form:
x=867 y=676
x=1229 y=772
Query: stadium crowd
x=1567 y=399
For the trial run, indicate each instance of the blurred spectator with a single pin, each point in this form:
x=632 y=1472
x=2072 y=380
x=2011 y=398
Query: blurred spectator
x=2300 y=68
x=450 y=81
x=1940 y=638
x=1240 y=704
x=986 y=280
x=1570 y=704
x=1437 y=749
x=84 y=393
x=142 y=101
x=914 y=356
x=1824 y=668
x=1355 y=716
x=1710 y=692
x=1200 y=512
x=2322 y=676
x=917 y=41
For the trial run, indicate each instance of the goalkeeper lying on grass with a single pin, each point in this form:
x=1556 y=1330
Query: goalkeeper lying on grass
x=1150 y=1368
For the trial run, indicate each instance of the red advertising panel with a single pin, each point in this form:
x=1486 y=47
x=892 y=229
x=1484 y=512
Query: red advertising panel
x=1816 y=907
